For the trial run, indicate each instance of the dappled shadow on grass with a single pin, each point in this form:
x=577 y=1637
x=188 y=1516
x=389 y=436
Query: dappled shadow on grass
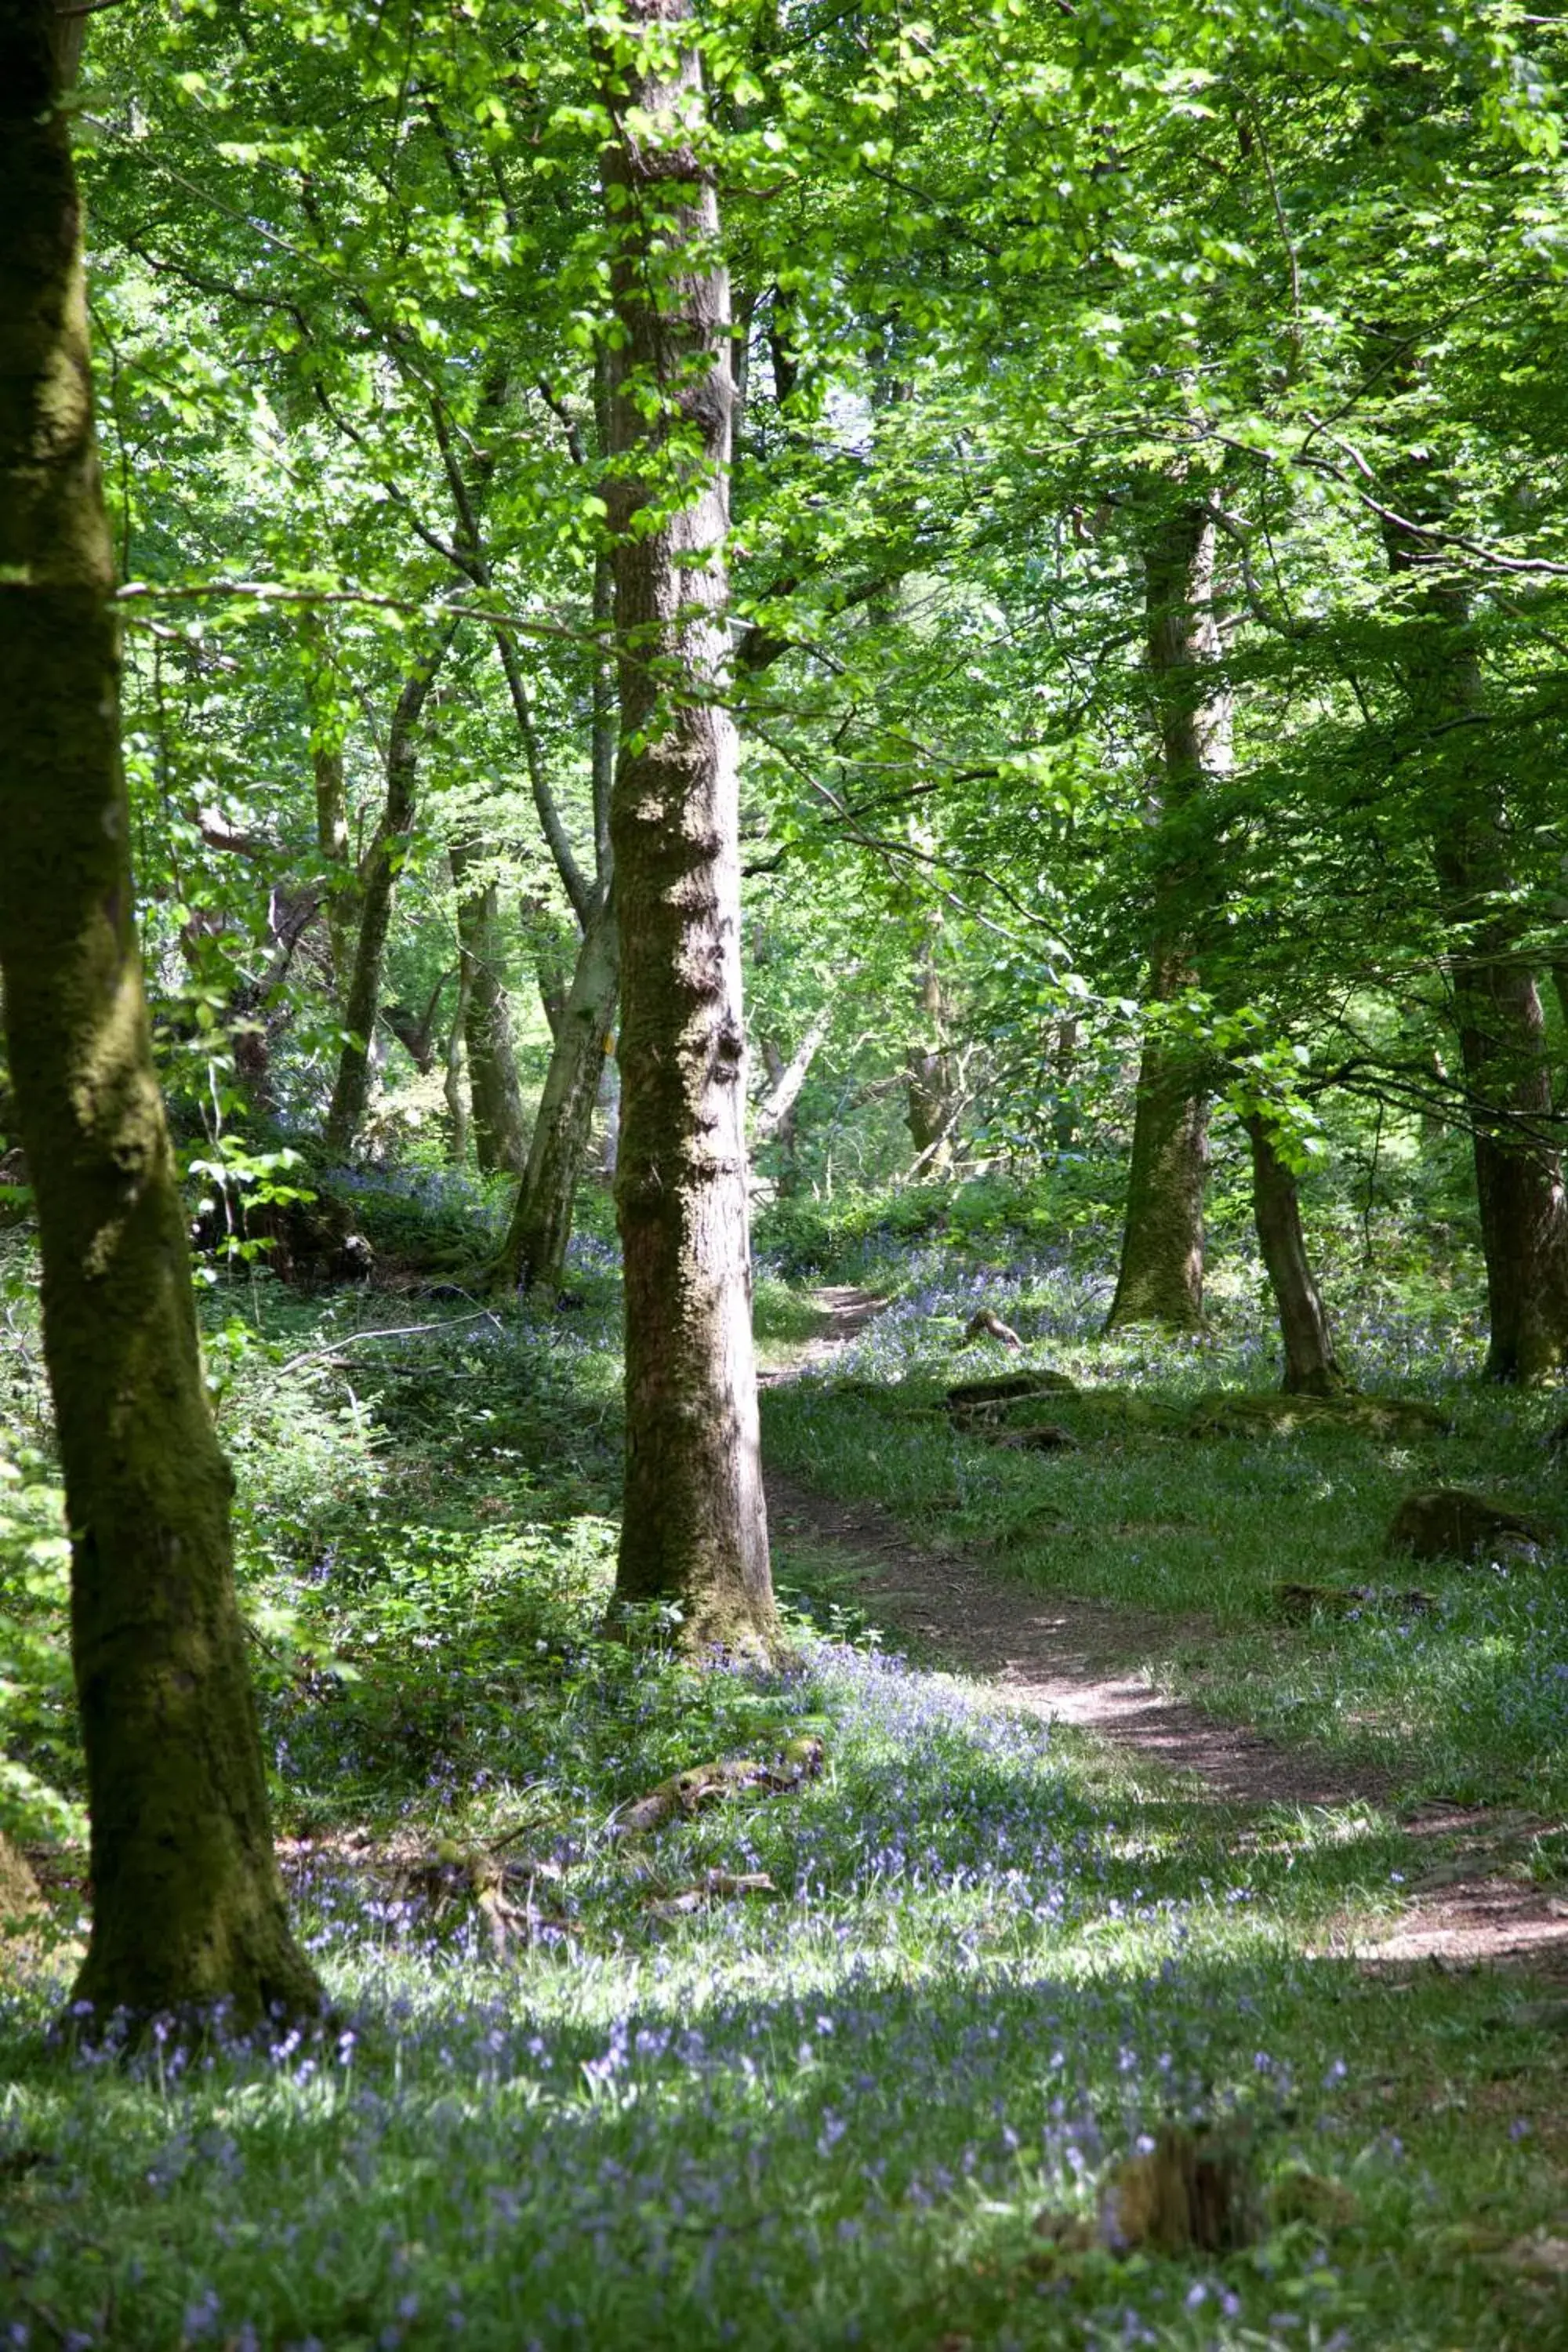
x=859 y=2160
x=828 y=2120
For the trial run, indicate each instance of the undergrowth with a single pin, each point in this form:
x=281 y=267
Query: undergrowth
x=840 y=2063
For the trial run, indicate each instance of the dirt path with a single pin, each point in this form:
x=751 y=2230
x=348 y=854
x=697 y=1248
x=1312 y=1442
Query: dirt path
x=1075 y=1661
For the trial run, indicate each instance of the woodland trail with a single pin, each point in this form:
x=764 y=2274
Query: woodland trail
x=1076 y=1662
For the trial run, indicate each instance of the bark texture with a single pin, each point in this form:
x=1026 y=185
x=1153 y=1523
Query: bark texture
x=493 y=1090
x=187 y=1905
x=533 y=1256
x=350 y=1091
x=694 y=1530
x=1161 y=1278
x=1311 y=1367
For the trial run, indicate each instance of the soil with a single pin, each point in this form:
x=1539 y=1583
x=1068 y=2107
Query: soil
x=1077 y=1661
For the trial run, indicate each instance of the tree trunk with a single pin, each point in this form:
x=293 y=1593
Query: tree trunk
x=323 y=703
x=1063 y=1101
x=774 y=1116
x=1161 y=1279
x=1161 y=1275
x=1497 y=1004
x=533 y=1256
x=333 y=843
x=416 y=1031
x=930 y=1105
x=694 y=1531
x=493 y=1090
x=453 y=1091
x=350 y=1093
x=610 y=1103
x=546 y=939
x=1311 y=1367
x=187 y=1905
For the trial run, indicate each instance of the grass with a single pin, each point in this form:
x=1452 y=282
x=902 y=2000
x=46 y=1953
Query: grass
x=993 y=1958
x=1467 y=1701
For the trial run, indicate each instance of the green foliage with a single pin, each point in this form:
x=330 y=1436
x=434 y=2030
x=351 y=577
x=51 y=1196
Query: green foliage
x=40 y=1782
x=242 y=1179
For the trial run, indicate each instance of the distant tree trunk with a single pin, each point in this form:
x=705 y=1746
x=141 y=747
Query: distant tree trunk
x=552 y=966
x=773 y=1117
x=610 y=1103
x=1161 y=1271
x=454 y=1094
x=332 y=844
x=694 y=1529
x=1063 y=1102
x=337 y=896
x=1311 y=1367
x=187 y=1905
x=416 y=1031
x=781 y=1130
x=350 y=1093
x=930 y=1097
x=1497 y=1004
x=579 y=997
x=533 y=1256
x=497 y=1099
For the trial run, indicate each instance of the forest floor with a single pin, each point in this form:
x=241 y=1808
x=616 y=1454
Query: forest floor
x=1092 y=1847
x=1069 y=1660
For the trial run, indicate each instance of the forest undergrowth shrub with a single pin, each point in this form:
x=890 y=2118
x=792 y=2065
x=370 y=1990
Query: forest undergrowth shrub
x=436 y=1218
x=40 y=1765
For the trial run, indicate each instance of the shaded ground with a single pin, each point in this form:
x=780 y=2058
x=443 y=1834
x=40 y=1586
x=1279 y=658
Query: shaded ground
x=1077 y=1661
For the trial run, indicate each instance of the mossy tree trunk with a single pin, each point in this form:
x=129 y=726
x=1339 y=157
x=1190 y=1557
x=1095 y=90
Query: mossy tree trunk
x=187 y=1905
x=694 y=1531
x=533 y=1256
x=493 y=1090
x=383 y=863
x=1311 y=1366
x=1160 y=1276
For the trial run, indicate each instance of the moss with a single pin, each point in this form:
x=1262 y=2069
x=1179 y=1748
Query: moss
x=187 y=1905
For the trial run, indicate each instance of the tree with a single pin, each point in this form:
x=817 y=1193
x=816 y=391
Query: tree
x=1496 y=1007
x=1312 y=1364
x=533 y=1254
x=499 y=1139
x=187 y=1904
x=1162 y=1272
x=694 y=1530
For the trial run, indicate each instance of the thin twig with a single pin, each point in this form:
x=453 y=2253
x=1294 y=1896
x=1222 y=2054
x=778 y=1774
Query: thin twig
x=397 y=1331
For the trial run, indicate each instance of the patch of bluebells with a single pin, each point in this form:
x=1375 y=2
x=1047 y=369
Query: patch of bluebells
x=1058 y=1295
x=636 y=2136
